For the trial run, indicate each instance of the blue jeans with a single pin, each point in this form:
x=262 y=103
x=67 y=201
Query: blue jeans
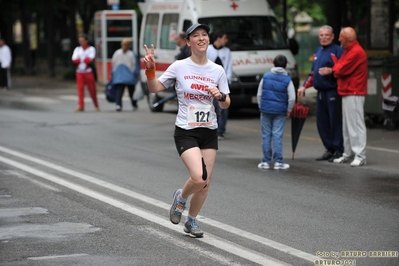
x=272 y=134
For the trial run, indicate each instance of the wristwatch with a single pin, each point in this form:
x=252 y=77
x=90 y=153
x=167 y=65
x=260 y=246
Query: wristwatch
x=223 y=98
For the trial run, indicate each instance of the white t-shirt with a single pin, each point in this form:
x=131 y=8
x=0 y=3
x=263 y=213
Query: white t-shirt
x=224 y=54
x=5 y=56
x=192 y=82
x=120 y=58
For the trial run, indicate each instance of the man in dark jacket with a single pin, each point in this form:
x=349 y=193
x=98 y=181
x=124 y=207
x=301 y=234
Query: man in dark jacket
x=351 y=71
x=329 y=102
x=184 y=49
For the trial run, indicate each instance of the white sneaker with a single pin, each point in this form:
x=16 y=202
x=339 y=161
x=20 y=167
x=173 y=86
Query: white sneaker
x=358 y=162
x=341 y=160
x=281 y=166
x=263 y=165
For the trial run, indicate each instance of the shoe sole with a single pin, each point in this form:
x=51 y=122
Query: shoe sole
x=361 y=164
x=172 y=210
x=341 y=161
x=280 y=168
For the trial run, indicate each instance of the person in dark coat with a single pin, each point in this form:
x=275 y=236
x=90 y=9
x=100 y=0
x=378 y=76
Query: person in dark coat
x=329 y=102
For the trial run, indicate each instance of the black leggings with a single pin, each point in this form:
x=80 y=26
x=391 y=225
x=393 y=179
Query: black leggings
x=3 y=77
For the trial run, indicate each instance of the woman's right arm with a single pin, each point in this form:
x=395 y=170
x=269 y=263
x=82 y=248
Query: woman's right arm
x=152 y=82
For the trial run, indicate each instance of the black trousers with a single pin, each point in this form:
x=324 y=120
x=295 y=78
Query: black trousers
x=3 y=77
x=119 y=90
x=329 y=120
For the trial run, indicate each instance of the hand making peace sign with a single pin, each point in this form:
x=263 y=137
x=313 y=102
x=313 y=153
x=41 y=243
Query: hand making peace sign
x=149 y=58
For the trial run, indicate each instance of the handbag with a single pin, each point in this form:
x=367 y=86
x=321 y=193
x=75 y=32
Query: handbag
x=110 y=92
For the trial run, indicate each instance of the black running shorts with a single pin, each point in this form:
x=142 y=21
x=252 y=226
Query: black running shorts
x=203 y=138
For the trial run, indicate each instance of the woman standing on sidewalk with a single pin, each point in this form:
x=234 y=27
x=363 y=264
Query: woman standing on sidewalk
x=83 y=57
x=198 y=81
x=125 y=73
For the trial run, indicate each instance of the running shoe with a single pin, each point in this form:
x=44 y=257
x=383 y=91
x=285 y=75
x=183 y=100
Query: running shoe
x=263 y=165
x=341 y=160
x=281 y=165
x=358 y=162
x=191 y=227
x=177 y=208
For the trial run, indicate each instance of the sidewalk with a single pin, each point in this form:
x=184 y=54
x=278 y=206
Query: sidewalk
x=42 y=81
x=41 y=78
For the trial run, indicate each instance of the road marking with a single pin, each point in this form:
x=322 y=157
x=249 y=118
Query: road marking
x=310 y=138
x=382 y=149
x=35 y=99
x=191 y=246
x=57 y=257
x=75 y=98
x=16 y=212
x=23 y=176
x=209 y=239
x=233 y=230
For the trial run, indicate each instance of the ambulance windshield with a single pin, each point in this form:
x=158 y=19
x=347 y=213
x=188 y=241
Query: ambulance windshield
x=249 y=33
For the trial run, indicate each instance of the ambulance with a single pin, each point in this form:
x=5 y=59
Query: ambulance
x=254 y=34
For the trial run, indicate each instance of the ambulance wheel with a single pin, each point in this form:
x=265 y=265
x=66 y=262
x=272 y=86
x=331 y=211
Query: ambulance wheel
x=152 y=99
x=369 y=121
x=390 y=124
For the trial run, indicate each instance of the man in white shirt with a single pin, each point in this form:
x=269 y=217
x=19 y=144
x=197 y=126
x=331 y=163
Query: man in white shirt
x=5 y=65
x=221 y=55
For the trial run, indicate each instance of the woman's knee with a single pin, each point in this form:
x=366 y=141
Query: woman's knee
x=198 y=180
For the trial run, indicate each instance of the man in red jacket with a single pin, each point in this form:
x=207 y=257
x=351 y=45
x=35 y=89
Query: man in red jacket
x=351 y=71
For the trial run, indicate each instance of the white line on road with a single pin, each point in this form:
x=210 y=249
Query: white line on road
x=23 y=176
x=42 y=100
x=56 y=257
x=215 y=241
x=382 y=149
x=233 y=230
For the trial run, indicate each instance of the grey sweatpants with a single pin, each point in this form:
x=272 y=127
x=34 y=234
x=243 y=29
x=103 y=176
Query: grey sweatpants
x=354 y=127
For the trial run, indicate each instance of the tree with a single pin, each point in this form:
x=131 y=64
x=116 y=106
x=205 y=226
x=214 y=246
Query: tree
x=87 y=8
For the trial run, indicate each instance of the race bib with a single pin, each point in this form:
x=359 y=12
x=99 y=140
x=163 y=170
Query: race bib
x=199 y=115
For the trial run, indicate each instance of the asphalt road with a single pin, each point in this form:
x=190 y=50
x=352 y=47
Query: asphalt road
x=94 y=188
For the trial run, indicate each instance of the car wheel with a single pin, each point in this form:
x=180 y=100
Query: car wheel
x=152 y=100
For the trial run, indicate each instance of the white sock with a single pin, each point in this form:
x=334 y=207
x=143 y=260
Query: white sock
x=181 y=199
x=189 y=217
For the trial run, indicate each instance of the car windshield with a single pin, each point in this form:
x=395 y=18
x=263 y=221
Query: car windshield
x=249 y=33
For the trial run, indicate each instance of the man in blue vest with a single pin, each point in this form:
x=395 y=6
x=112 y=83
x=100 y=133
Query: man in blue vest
x=276 y=98
x=329 y=102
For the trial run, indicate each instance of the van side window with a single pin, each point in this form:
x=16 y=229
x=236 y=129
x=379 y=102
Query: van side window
x=249 y=33
x=169 y=31
x=187 y=24
x=151 y=29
